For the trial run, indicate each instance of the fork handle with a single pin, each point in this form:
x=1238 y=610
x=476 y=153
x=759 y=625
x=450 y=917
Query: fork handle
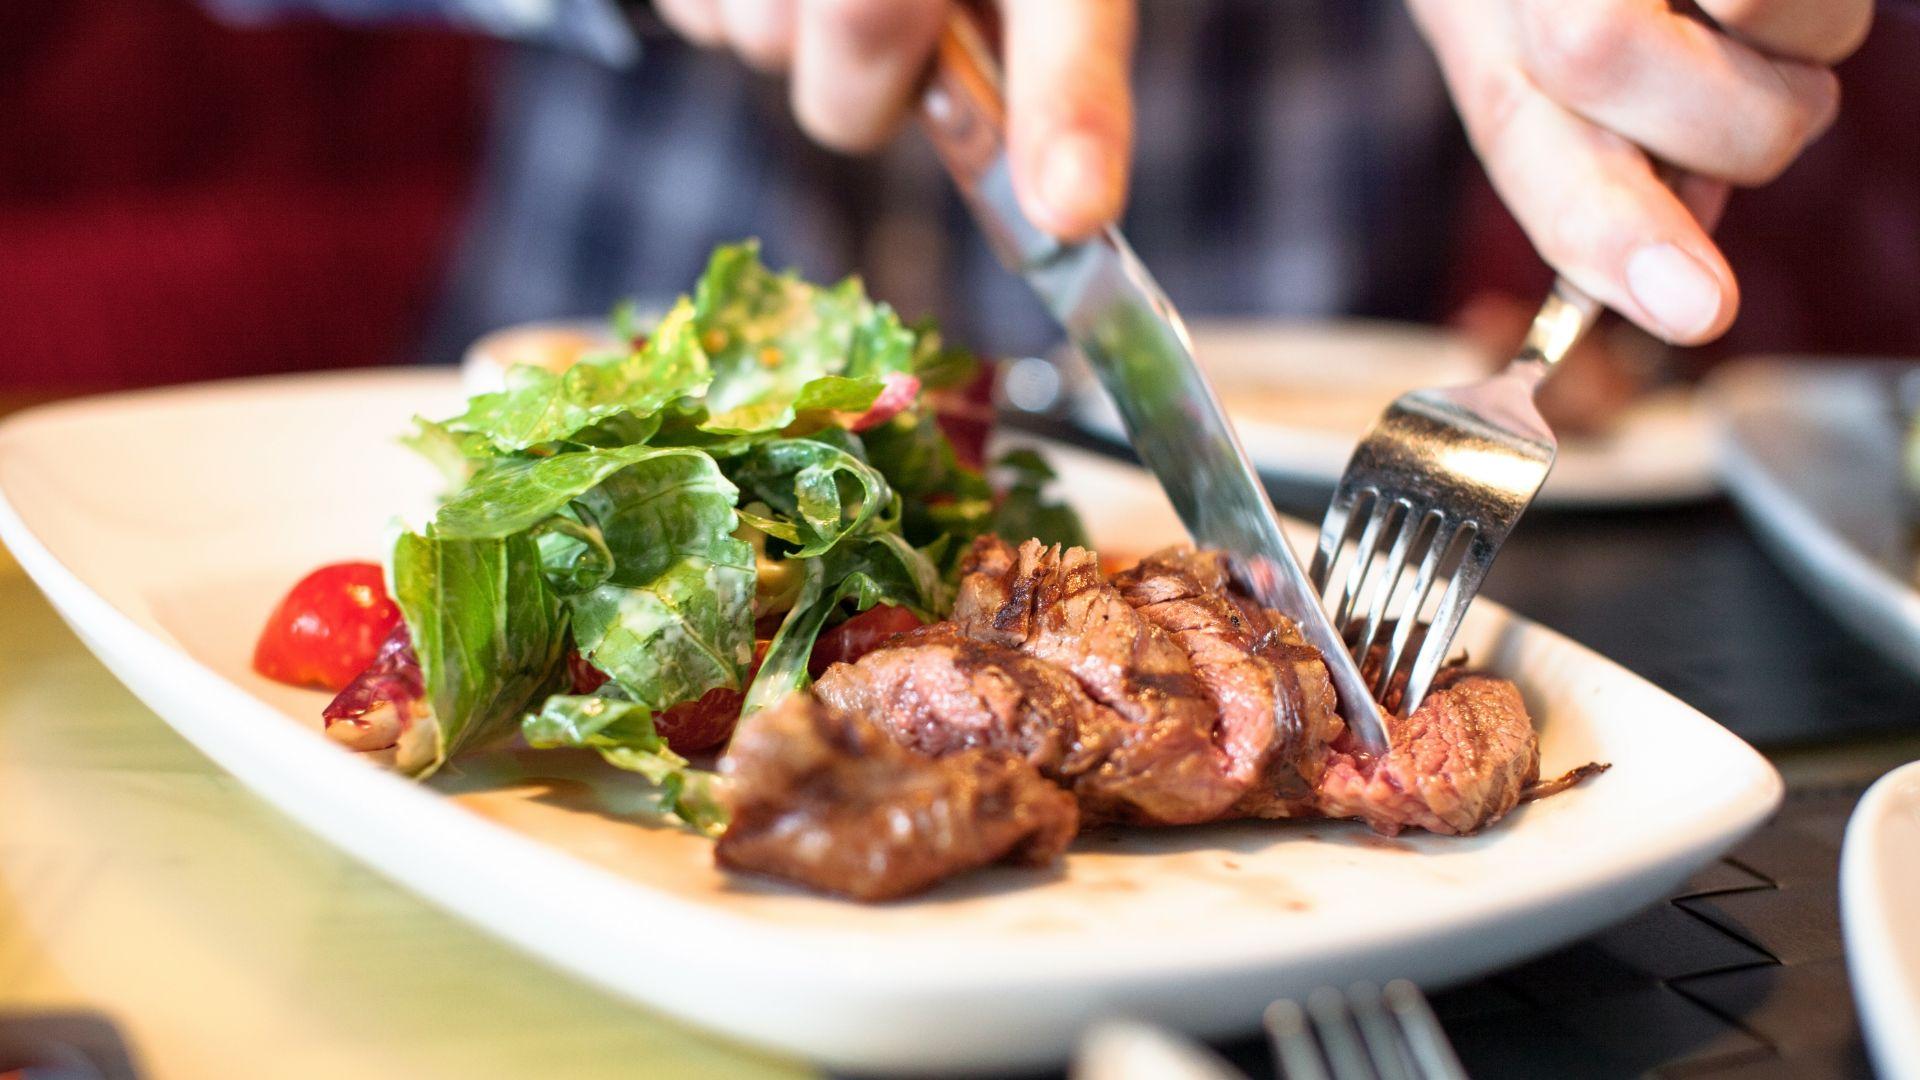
x=1568 y=313
x=1561 y=322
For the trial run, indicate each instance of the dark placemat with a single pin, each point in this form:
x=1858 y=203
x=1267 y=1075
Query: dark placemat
x=1739 y=976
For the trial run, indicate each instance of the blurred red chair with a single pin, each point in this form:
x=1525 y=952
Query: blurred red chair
x=182 y=200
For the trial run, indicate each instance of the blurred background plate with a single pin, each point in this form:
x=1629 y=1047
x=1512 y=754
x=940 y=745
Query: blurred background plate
x=1879 y=878
x=1302 y=393
x=1813 y=457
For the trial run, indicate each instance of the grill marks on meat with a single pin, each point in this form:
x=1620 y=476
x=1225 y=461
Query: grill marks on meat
x=1163 y=696
x=1457 y=765
x=823 y=798
x=1276 y=708
x=1162 y=766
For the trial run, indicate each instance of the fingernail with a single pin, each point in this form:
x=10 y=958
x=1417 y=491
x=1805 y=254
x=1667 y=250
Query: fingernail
x=1075 y=173
x=1673 y=288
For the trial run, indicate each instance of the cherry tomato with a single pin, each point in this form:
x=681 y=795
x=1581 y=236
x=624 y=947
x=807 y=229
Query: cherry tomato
x=693 y=726
x=859 y=636
x=328 y=628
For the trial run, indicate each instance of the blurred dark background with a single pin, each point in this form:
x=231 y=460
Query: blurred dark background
x=186 y=198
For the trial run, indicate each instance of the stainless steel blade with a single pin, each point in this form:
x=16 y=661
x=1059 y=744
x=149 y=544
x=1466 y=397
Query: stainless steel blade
x=1118 y=316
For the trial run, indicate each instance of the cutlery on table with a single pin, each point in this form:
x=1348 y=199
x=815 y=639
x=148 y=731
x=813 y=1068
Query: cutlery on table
x=1119 y=318
x=1365 y=1033
x=1362 y=1033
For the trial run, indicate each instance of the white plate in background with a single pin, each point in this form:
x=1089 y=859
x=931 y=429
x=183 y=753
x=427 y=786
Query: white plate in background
x=1302 y=393
x=1812 y=457
x=1880 y=915
x=164 y=526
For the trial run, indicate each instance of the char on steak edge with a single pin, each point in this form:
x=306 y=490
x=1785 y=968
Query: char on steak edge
x=1055 y=694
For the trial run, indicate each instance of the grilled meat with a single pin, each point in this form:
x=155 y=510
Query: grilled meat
x=1275 y=704
x=823 y=798
x=1162 y=696
x=1457 y=765
x=1055 y=606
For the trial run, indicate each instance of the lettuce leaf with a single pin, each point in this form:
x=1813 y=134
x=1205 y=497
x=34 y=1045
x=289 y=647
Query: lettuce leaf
x=780 y=346
x=539 y=406
x=623 y=733
x=1025 y=511
x=878 y=569
x=818 y=491
x=516 y=494
x=490 y=635
x=674 y=618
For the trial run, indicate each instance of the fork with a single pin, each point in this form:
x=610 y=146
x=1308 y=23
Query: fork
x=1440 y=479
x=1365 y=1033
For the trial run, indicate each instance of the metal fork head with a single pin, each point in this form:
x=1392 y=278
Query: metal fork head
x=1437 y=484
x=1434 y=488
x=1363 y=1034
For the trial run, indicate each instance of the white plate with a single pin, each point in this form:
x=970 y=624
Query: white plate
x=1301 y=394
x=164 y=526
x=1813 y=457
x=1879 y=881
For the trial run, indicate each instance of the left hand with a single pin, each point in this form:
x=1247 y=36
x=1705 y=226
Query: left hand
x=1565 y=100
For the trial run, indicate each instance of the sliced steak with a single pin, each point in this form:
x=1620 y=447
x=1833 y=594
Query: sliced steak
x=940 y=692
x=1457 y=765
x=1277 y=712
x=1055 y=606
x=824 y=799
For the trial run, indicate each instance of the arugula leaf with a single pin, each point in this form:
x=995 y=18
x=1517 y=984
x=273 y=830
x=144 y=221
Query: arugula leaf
x=880 y=569
x=674 y=619
x=515 y=494
x=820 y=491
x=490 y=636
x=1025 y=511
x=939 y=496
x=539 y=406
x=623 y=733
x=780 y=346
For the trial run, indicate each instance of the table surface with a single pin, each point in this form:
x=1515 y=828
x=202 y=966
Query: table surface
x=142 y=887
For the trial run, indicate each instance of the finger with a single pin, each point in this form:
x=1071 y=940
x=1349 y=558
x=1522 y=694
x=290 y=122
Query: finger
x=1685 y=92
x=856 y=64
x=1070 y=110
x=1588 y=199
x=761 y=31
x=1817 y=31
x=696 y=20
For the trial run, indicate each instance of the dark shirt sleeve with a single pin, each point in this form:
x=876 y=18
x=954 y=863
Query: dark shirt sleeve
x=599 y=28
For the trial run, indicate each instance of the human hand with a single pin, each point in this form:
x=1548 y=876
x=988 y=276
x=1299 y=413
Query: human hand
x=856 y=65
x=1565 y=100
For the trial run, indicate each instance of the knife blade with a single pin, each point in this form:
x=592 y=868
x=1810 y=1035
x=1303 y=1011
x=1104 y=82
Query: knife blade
x=1133 y=337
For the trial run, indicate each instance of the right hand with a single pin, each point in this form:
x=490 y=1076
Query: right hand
x=857 y=64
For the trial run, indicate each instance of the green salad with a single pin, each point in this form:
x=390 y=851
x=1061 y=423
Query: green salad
x=762 y=464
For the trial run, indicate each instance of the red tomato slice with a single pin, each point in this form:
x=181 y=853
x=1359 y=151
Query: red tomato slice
x=328 y=628
x=859 y=636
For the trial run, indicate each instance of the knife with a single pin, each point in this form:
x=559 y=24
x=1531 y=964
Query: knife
x=1116 y=314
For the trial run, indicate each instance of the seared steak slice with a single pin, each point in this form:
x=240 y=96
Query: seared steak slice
x=1276 y=705
x=1055 y=606
x=939 y=692
x=826 y=800
x=1457 y=765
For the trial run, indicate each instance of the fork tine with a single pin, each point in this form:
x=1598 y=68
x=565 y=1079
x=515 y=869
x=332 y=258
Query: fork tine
x=1296 y=1055
x=1363 y=560
x=1333 y=537
x=1431 y=1049
x=1443 y=541
x=1412 y=524
x=1387 y=1045
x=1453 y=607
x=1333 y=1023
